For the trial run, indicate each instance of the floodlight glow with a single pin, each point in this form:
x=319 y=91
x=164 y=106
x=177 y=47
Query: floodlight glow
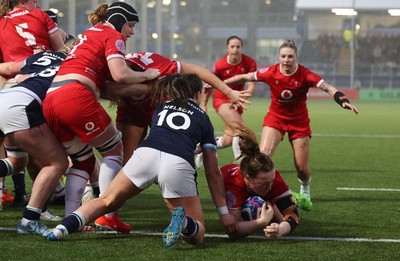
x=344 y=11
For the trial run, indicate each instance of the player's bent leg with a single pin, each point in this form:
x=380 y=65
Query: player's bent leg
x=192 y=228
x=42 y=143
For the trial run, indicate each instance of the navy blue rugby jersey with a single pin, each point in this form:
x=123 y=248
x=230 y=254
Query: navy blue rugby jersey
x=43 y=67
x=177 y=130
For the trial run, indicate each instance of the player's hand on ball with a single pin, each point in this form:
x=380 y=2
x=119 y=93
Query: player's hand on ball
x=266 y=214
x=272 y=231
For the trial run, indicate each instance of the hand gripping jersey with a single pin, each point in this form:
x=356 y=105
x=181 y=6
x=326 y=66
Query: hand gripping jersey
x=177 y=130
x=138 y=110
x=236 y=189
x=27 y=30
x=224 y=70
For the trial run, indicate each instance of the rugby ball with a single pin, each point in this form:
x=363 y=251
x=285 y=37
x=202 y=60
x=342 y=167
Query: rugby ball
x=251 y=208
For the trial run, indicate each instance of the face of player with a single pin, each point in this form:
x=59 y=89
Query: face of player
x=287 y=60
x=31 y=4
x=234 y=50
x=128 y=29
x=262 y=183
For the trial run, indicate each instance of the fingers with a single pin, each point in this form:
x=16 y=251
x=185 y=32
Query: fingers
x=350 y=107
x=272 y=230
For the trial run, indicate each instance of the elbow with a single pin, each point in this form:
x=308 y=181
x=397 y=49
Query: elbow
x=119 y=78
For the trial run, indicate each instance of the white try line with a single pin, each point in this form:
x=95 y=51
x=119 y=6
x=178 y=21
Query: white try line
x=369 y=189
x=342 y=239
x=344 y=135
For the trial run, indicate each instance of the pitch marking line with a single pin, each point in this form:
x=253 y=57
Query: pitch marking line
x=369 y=189
x=345 y=135
x=343 y=239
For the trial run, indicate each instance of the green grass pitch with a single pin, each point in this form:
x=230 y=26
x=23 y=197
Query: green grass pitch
x=348 y=152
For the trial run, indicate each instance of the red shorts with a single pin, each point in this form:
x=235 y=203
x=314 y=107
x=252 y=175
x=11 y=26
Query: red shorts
x=72 y=110
x=295 y=128
x=135 y=113
x=218 y=101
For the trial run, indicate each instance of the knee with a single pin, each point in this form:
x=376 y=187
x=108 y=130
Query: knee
x=267 y=151
x=18 y=164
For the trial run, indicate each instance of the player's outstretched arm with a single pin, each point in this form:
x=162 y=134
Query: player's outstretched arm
x=236 y=97
x=339 y=97
x=215 y=182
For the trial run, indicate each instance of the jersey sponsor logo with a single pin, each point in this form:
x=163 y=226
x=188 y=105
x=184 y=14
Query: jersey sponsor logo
x=120 y=44
x=90 y=127
x=286 y=94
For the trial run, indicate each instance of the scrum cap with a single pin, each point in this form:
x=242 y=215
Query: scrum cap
x=120 y=13
x=52 y=15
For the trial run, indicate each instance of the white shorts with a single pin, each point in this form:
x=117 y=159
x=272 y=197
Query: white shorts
x=175 y=176
x=19 y=111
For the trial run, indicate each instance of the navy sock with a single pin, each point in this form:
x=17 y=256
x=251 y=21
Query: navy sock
x=6 y=168
x=19 y=184
x=31 y=213
x=73 y=222
x=191 y=229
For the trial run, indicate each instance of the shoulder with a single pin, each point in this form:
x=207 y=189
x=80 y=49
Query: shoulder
x=231 y=169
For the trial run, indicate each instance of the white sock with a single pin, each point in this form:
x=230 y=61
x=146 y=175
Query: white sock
x=75 y=185
x=235 y=147
x=88 y=187
x=109 y=168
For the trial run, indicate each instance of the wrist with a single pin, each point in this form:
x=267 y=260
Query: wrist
x=340 y=98
x=223 y=210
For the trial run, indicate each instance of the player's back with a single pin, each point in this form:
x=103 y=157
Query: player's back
x=23 y=32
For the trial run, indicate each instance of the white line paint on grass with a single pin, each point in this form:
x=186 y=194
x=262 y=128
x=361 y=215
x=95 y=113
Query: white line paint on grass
x=369 y=189
x=343 y=239
x=345 y=135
